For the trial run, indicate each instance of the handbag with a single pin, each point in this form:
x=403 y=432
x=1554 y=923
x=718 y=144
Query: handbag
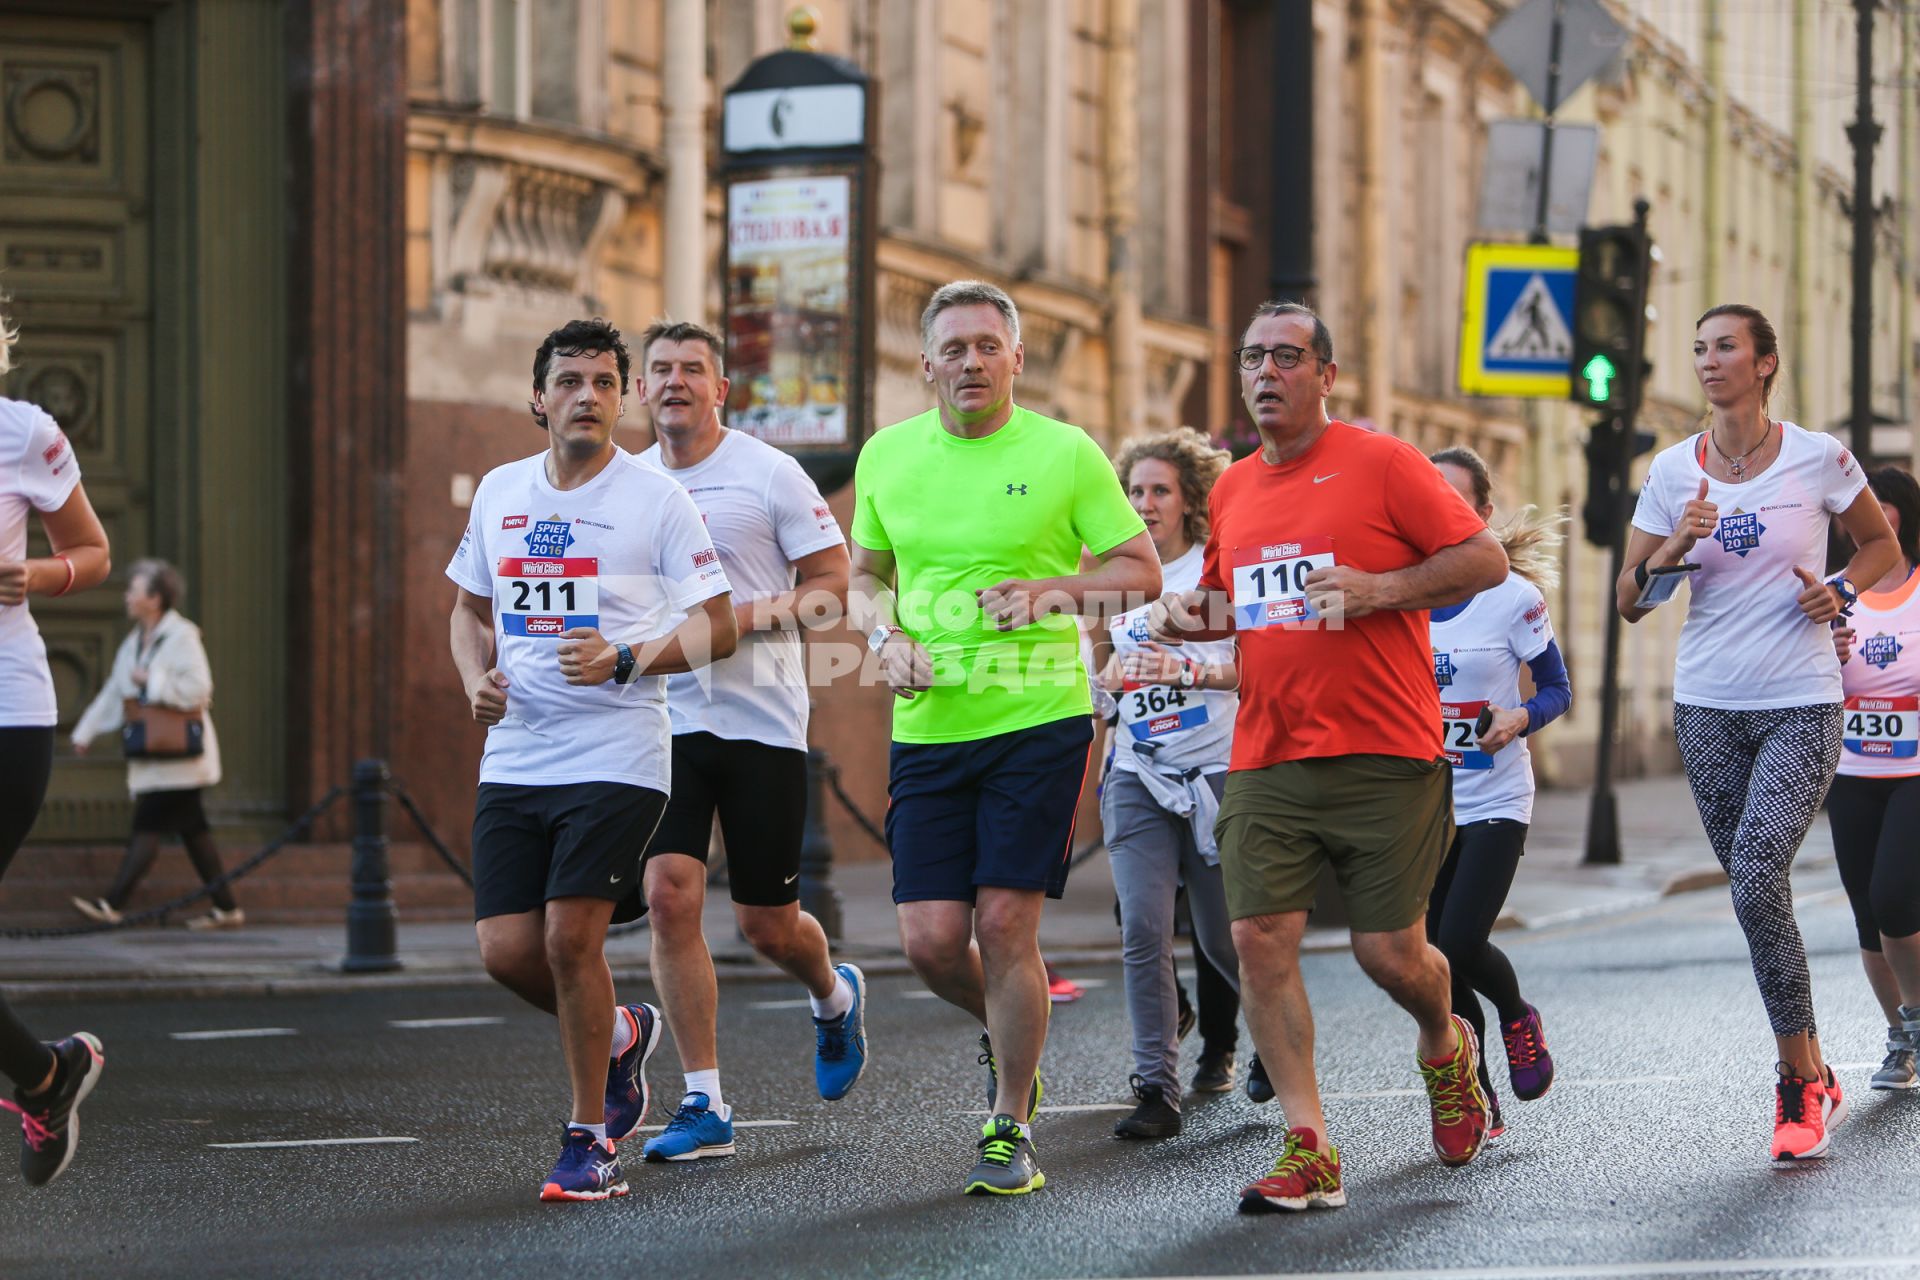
x=154 y=732
x=150 y=731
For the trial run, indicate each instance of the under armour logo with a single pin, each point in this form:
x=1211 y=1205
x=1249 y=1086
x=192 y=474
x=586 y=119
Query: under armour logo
x=1017 y=488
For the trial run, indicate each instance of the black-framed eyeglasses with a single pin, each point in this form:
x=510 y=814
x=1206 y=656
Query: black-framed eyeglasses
x=1251 y=358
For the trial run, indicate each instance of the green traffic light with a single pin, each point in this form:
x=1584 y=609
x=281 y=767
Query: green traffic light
x=1599 y=373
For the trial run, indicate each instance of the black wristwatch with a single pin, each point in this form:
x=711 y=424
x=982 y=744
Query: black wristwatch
x=622 y=663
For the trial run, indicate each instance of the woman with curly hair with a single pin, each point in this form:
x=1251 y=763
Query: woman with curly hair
x=1162 y=793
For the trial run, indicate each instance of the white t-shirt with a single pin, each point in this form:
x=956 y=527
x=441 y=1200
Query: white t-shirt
x=762 y=513
x=1746 y=646
x=38 y=472
x=1477 y=655
x=623 y=553
x=1882 y=683
x=1184 y=728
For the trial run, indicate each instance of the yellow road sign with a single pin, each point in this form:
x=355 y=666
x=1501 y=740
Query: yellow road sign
x=1516 y=331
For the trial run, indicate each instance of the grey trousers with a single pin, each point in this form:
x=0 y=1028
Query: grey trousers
x=1153 y=853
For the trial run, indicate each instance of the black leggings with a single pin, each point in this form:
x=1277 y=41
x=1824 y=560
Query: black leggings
x=157 y=814
x=1218 y=1005
x=26 y=762
x=1876 y=838
x=1467 y=897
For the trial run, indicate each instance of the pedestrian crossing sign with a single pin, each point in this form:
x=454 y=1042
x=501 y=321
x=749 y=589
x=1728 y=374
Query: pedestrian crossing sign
x=1516 y=335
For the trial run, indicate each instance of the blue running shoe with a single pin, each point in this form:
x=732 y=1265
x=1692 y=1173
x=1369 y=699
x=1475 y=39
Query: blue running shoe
x=694 y=1133
x=840 y=1046
x=627 y=1093
x=588 y=1170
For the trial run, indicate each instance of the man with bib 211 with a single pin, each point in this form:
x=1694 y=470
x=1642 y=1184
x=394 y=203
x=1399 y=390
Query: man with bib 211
x=573 y=565
x=1328 y=547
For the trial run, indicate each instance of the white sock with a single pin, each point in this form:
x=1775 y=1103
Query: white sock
x=599 y=1131
x=708 y=1082
x=835 y=1005
x=625 y=1030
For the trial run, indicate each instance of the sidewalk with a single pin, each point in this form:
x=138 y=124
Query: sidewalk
x=1663 y=852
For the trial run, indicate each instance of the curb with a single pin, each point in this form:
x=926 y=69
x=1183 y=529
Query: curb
x=325 y=980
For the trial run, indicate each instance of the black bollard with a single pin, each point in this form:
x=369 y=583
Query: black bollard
x=818 y=898
x=371 y=921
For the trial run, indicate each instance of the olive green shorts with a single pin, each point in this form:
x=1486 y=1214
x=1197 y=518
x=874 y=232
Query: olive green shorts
x=1383 y=822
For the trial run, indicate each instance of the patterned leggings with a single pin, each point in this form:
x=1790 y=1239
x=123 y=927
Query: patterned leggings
x=1758 y=777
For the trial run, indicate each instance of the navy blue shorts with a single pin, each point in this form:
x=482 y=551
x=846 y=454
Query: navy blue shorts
x=996 y=811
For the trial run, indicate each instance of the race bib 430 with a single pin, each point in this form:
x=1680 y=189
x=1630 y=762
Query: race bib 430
x=1883 y=728
x=1270 y=582
x=546 y=597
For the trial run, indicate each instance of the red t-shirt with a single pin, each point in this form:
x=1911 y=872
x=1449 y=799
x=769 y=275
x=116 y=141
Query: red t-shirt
x=1355 y=498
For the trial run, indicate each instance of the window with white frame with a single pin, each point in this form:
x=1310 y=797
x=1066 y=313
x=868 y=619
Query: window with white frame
x=523 y=59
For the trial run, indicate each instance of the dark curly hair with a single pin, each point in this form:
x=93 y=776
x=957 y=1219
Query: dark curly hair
x=1899 y=490
x=578 y=338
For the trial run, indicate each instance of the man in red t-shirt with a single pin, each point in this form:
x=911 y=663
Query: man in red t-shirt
x=1328 y=547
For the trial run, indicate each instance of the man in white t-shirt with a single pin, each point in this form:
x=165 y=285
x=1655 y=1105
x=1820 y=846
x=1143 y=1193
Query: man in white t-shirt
x=583 y=582
x=740 y=737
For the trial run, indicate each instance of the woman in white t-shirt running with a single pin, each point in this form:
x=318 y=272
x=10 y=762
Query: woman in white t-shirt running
x=1478 y=649
x=1173 y=734
x=1874 y=807
x=1756 y=686
x=38 y=473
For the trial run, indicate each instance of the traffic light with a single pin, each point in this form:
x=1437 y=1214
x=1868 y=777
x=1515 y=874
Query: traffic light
x=1609 y=317
x=1611 y=448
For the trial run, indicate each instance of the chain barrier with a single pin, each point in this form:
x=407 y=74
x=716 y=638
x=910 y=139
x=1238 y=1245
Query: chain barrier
x=399 y=792
x=860 y=819
x=225 y=878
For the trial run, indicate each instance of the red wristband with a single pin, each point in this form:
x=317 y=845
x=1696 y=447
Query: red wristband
x=70 y=574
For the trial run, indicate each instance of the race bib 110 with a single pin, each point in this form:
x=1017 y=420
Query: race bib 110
x=1270 y=582
x=546 y=598
x=1883 y=728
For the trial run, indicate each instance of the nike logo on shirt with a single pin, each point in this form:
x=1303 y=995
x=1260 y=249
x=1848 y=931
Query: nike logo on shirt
x=1330 y=475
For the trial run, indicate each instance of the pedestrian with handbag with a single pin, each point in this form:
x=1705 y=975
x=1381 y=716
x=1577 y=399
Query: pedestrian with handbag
x=157 y=698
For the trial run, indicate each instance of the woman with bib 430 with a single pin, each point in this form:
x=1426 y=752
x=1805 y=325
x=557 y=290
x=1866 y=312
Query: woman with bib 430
x=1756 y=686
x=1874 y=808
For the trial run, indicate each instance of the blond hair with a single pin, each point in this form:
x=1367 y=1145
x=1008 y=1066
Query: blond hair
x=1191 y=455
x=1530 y=537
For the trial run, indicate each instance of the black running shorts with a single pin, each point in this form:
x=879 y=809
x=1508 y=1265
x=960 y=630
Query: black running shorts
x=760 y=795
x=577 y=840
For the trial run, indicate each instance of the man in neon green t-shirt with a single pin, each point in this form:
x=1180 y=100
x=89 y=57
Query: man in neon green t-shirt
x=968 y=528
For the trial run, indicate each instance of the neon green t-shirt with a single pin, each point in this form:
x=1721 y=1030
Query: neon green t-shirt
x=960 y=515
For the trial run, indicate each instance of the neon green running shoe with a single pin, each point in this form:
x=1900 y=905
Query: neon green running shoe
x=1007 y=1165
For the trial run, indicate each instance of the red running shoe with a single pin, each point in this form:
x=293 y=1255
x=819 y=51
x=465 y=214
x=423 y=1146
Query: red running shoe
x=1304 y=1177
x=1805 y=1113
x=1062 y=990
x=1453 y=1092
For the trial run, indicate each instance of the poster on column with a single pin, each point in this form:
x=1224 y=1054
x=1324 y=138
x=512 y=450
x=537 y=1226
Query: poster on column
x=790 y=330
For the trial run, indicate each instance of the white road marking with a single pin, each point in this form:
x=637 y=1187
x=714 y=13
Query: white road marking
x=427 y=1024
x=918 y=995
x=782 y=1004
x=1602 y=1270
x=309 y=1142
x=738 y=1124
x=1066 y=1109
x=233 y=1033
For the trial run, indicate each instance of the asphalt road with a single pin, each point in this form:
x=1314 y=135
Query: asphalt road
x=1648 y=1158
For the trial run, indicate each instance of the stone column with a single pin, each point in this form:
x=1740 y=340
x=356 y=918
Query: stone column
x=684 y=221
x=347 y=374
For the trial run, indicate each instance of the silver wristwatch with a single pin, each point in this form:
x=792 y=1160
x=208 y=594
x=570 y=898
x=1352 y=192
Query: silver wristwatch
x=877 y=638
